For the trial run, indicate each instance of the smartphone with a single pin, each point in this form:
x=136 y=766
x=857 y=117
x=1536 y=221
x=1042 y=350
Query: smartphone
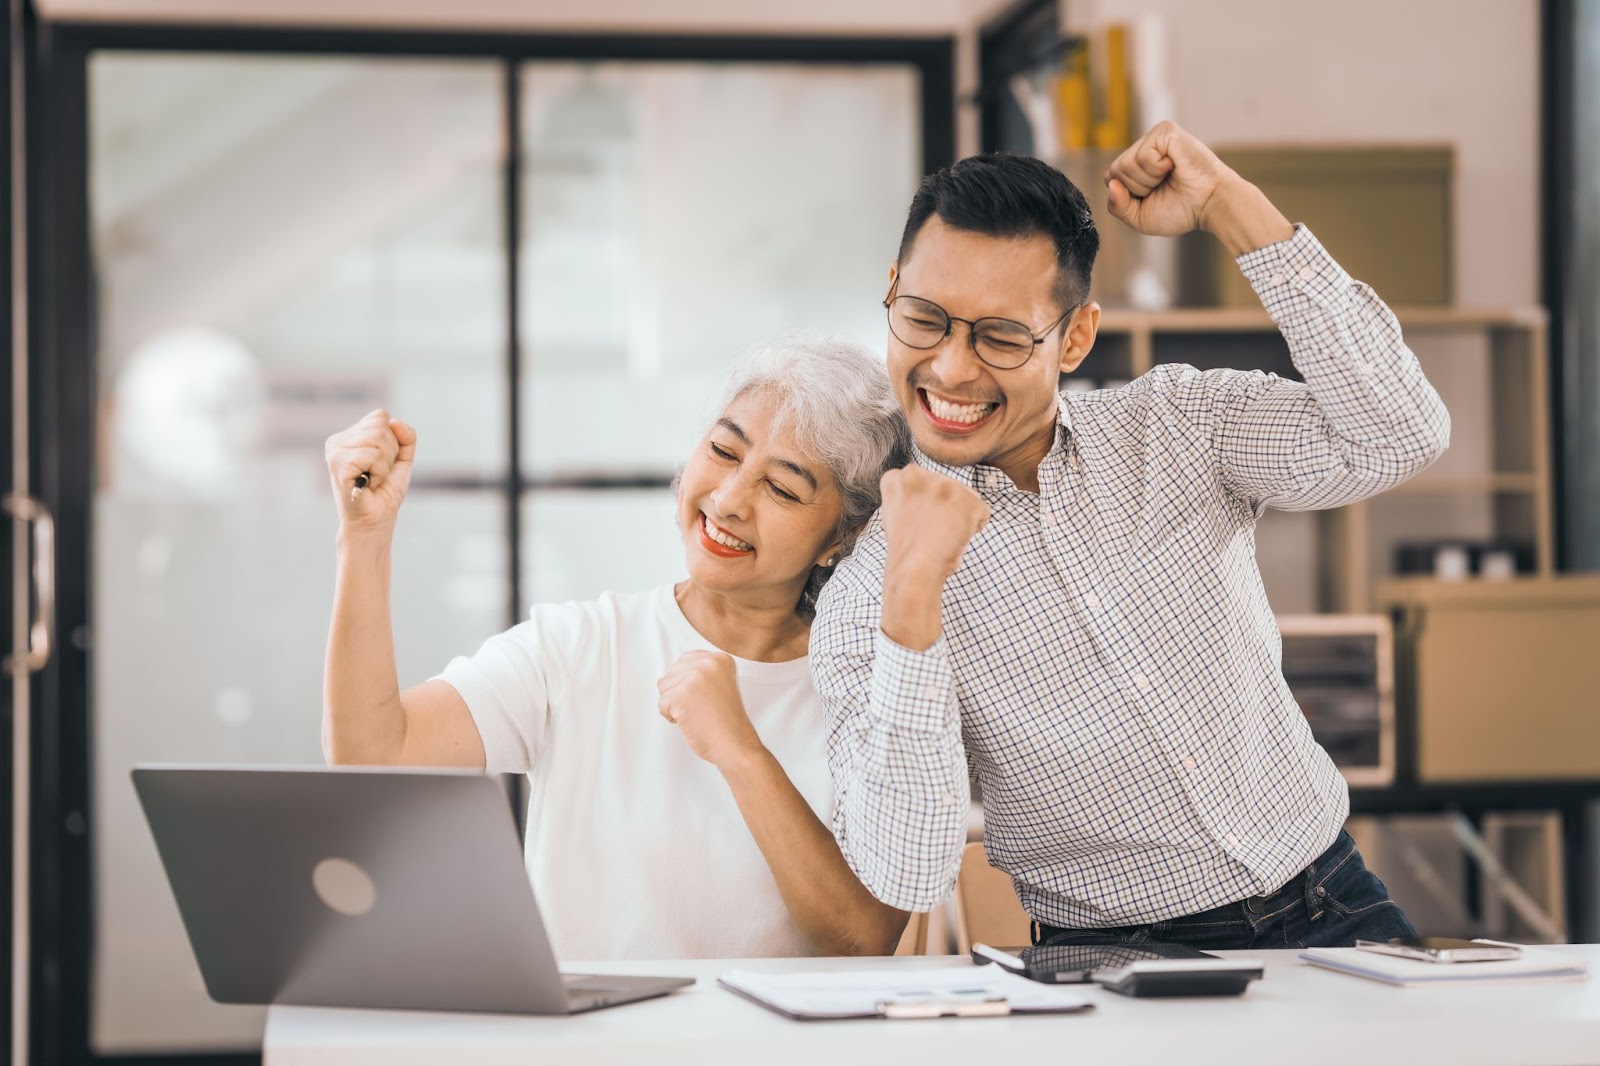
x=1442 y=949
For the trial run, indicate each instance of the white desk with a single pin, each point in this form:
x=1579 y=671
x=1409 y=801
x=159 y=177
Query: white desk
x=1296 y=1014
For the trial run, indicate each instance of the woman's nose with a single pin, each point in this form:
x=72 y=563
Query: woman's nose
x=732 y=497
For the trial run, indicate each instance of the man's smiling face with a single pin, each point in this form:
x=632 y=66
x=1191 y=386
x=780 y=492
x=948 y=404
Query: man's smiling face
x=961 y=410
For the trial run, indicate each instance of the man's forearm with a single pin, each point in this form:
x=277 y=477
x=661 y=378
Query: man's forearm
x=1243 y=219
x=911 y=606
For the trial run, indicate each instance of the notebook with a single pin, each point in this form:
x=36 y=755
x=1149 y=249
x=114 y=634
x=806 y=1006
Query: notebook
x=1536 y=964
x=922 y=992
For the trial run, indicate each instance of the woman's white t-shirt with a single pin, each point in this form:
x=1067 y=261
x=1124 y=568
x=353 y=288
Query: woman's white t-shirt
x=635 y=845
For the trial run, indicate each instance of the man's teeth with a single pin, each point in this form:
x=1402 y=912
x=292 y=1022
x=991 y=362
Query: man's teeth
x=726 y=539
x=957 y=412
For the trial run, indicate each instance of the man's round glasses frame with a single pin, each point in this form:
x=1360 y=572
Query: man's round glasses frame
x=1002 y=353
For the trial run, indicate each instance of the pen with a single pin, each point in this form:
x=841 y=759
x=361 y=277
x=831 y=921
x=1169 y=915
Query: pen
x=938 y=1006
x=361 y=483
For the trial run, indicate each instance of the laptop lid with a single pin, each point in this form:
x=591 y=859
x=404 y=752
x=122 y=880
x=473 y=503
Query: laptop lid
x=352 y=887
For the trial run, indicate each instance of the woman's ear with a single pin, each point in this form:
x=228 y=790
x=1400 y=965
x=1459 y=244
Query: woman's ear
x=1082 y=329
x=831 y=555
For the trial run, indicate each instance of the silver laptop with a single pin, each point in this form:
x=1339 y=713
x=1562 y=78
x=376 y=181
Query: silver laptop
x=358 y=887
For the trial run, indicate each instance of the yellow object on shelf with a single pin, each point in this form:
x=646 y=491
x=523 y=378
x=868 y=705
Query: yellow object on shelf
x=1116 y=129
x=1074 y=104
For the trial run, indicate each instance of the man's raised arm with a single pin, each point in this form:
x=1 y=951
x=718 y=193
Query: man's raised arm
x=1365 y=418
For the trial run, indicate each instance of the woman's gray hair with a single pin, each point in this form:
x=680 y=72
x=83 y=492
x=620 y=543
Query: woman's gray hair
x=834 y=396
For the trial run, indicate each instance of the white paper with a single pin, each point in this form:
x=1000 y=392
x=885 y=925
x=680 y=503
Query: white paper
x=1535 y=963
x=861 y=991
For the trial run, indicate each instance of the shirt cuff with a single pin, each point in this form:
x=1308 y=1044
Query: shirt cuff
x=914 y=690
x=1284 y=273
x=503 y=750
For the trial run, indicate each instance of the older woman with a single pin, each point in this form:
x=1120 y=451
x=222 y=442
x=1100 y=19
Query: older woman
x=645 y=841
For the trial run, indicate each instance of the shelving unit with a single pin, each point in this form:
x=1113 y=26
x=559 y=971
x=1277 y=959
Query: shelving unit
x=1493 y=484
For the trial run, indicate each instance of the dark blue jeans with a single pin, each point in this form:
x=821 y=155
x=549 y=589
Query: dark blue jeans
x=1330 y=903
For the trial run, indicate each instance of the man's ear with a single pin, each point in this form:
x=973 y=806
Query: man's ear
x=894 y=272
x=1082 y=328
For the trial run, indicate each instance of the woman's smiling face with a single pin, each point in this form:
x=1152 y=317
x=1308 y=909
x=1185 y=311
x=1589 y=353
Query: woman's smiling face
x=755 y=512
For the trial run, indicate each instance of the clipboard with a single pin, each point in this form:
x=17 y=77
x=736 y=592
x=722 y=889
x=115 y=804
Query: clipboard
x=900 y=994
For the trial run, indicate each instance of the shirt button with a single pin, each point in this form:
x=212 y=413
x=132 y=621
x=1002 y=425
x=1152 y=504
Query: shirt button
x=1076 y=462
x=1047 y=519
x=1277 y=279
x=1091 y=601
x=931 y=692
x=1306 y=273
x=1188 y=762
x=1141 y=682
x=1232 y=841
x=950 y=798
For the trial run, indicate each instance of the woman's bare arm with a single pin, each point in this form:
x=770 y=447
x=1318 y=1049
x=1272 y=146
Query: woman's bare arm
x=366 y=719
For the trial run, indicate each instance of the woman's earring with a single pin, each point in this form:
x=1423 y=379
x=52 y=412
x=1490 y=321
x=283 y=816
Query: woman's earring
x=832 y=562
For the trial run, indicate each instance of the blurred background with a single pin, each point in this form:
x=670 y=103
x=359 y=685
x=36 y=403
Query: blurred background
x=541 y=232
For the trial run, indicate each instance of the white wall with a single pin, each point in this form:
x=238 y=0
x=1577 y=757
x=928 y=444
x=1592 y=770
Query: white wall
x=1377 y=71
x=888 y=17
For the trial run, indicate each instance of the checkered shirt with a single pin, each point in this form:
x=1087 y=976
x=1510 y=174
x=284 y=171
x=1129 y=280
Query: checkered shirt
x=1109 y=673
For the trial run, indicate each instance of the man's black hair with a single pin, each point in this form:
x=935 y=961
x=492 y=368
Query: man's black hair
x=1005 y=195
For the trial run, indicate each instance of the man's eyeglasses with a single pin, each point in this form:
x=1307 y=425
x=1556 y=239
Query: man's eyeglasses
x=1001 y=342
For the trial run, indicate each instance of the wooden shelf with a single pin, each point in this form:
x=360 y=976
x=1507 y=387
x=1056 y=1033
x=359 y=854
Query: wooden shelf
x=1425 y=485
x=1567 y=590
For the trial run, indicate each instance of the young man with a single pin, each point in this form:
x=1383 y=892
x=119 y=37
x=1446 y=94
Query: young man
x=1060 y=596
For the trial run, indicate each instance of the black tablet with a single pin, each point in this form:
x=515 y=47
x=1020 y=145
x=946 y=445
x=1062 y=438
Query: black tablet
x=1132 y=969
x=1068 y=964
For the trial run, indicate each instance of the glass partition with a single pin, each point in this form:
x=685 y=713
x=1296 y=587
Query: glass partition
x=282 y=244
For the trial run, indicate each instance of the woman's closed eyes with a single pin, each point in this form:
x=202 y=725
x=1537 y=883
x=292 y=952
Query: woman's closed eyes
x=729 y=457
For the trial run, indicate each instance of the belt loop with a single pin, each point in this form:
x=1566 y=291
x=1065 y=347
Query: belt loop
x=1313 y=901
x=1316 y=895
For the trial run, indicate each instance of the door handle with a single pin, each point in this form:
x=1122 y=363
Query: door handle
x=43 y=529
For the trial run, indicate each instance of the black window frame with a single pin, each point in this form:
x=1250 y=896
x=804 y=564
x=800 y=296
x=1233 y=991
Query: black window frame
x=8 y=527
x=1571 y=273
x=63 y=300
